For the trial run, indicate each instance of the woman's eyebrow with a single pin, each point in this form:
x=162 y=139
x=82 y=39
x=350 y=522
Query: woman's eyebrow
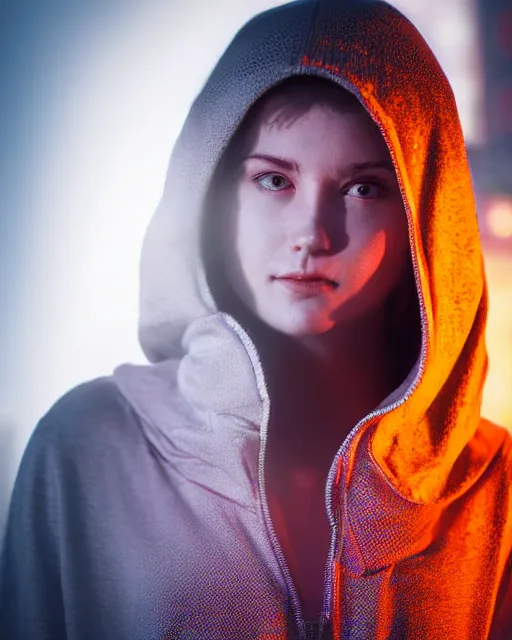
x=356 y=167
x=291 y=165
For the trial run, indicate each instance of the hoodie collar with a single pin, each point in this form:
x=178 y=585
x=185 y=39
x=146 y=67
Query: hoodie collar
x=202 y=412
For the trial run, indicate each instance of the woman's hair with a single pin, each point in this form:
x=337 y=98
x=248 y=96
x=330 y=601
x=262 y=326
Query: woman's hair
x=280 y=106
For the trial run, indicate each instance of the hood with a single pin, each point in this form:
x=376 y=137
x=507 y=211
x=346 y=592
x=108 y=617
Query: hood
x=370 y=49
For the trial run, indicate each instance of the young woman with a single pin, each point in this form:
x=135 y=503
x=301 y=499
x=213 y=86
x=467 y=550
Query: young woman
x=304 y=457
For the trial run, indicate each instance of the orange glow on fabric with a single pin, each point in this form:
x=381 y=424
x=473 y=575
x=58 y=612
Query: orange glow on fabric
x=336 y=605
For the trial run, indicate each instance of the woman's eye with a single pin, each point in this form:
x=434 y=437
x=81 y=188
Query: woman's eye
x=273 y=182
x=364 y=190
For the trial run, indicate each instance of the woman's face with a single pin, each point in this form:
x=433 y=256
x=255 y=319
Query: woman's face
x=317 y=232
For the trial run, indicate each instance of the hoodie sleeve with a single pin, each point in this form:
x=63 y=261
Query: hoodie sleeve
x=31 y=603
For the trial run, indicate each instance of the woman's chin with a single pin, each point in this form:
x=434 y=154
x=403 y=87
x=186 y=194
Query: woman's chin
x=300 y=326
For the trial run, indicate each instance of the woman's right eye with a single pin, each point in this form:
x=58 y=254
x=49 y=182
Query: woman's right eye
x=273 y=182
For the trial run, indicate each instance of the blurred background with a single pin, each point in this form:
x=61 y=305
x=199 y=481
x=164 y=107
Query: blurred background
x=93 y=95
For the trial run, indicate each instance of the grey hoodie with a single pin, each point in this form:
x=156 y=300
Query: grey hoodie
x=140 y=511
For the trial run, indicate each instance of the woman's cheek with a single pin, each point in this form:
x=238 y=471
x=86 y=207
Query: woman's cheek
x=368 y=258
x=252 y=247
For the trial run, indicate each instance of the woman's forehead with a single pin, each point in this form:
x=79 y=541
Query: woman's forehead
x=291 y=99
x=308 y=120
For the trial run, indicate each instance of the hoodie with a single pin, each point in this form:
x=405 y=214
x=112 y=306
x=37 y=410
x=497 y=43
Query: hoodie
x=140 y=510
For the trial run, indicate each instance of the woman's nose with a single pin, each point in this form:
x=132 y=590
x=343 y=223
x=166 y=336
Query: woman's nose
x=314 y=242
x=312 y=233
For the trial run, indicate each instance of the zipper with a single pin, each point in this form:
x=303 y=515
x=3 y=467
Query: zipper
x=262 y=388
x=337 y=519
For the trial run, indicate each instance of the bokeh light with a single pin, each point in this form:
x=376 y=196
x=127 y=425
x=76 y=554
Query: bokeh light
x=499 y=216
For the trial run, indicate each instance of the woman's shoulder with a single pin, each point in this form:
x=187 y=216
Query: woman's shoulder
x=89 y=433
x=100 y=394
x=92 y=414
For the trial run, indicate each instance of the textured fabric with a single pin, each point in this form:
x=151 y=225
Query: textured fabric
x=140 y=511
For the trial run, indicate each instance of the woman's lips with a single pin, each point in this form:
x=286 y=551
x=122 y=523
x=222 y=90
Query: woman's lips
x=308 y=286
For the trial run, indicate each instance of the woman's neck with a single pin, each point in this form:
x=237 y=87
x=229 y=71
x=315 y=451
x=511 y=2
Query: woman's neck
x=321 y=386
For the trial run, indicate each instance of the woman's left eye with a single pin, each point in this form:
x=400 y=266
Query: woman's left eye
x=364 y=190
x=273 y=181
